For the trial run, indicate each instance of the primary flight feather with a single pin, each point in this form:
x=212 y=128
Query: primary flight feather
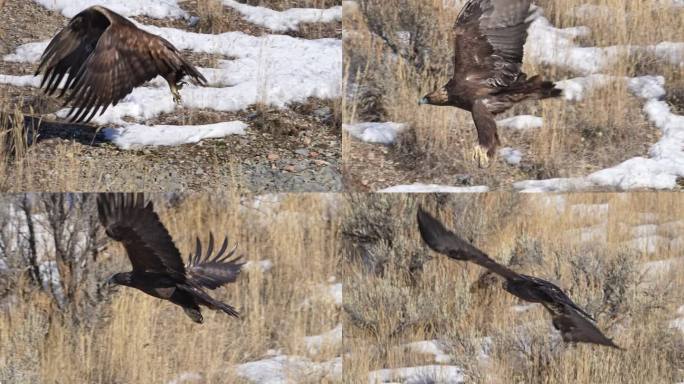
x=102 y=56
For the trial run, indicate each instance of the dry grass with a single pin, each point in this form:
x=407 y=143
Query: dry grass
x=138 y=339
x=391 y=71
x=400 y=303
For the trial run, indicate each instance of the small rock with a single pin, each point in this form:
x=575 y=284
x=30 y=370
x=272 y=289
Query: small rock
x=323 y=113
x=273 y=156
x=302 y=151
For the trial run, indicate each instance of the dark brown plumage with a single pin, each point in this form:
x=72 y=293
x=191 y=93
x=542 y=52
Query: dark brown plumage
x=103 y=57
x=487 y=79
x=158 y=269
x=574 y=324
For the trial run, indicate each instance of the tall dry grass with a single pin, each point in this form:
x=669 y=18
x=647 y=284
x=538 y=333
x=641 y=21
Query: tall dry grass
x=540 y=235
x=139 y=339
x=398 y=50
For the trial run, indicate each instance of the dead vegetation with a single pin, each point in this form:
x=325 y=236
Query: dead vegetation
x=399 y=50
x=68 y=327
x=584 y=242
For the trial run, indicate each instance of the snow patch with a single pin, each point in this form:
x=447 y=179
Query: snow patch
x=138 y=135
x=419 y=375
x=282 y=369
x=430 y=347
x=331 y=339
x=521 y=122
x=380 y=133
x=157 y=9
x=186 y=377
x=660 y=171
x=433 y=188
x=510 y=155
x=275 y=70
x=287 y=20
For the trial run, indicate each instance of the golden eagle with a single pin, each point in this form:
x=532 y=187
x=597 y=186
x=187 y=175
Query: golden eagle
x=158 y=269
x=487 y=78
x=105 y=56
x=574 y=324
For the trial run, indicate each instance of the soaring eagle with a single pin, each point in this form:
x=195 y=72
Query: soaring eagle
x=105 y=56
x=487 y=78
x=158 y=269
x=574 y=324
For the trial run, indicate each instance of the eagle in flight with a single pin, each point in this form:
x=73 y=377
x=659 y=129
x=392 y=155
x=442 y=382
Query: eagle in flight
x=488 y=42
x=104 y=56
x=574 y=324
x=158 y=269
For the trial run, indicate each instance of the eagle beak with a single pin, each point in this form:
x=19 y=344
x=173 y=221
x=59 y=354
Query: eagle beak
x=422 y=101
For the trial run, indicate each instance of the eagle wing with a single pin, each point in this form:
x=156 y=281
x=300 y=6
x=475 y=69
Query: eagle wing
x=576 y=326
x=489 y=36
x=213 y=271
x=148 y=244
x=441 y=240
x=104 y=57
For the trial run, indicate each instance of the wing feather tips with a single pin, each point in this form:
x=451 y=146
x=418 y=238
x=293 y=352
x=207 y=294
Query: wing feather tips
x=432 y=231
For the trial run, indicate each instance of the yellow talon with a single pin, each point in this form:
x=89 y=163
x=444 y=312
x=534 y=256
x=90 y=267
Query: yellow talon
x=480 y=155
x=175 y=93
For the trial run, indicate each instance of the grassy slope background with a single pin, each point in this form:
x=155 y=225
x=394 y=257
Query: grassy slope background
x=129 y=337
x=402 y=292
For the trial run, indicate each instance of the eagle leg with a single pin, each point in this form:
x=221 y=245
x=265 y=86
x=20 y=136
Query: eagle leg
x=175 y=91
x=480 y=155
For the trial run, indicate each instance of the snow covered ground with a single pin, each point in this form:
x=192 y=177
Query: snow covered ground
x=438 y=374
x=433 y=188
x=276 y=70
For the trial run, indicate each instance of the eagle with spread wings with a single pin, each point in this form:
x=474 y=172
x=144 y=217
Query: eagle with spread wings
x=574 y=323
x=103 y=57
x=158 y=269
x=488 y=79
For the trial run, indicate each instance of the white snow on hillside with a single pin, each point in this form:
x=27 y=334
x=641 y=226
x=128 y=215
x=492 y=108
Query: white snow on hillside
x=658 y=171
x=330 y=339
x=275 y=70
x=510 y=155
x=381 y=133
x=282 y=369
x=281 y=21
x=158 y=9
x=433 y=188
x=430 y=347
x=138 y=135
x=549 y=45
x=521 y=122
x=442 y=374
x=679 y=321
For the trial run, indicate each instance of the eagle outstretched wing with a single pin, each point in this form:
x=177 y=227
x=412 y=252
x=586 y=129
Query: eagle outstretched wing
x=213 y=271
x=148 y=244
x=441 y=240
x=489 y=36
x=103 y=56
x=575 y=324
